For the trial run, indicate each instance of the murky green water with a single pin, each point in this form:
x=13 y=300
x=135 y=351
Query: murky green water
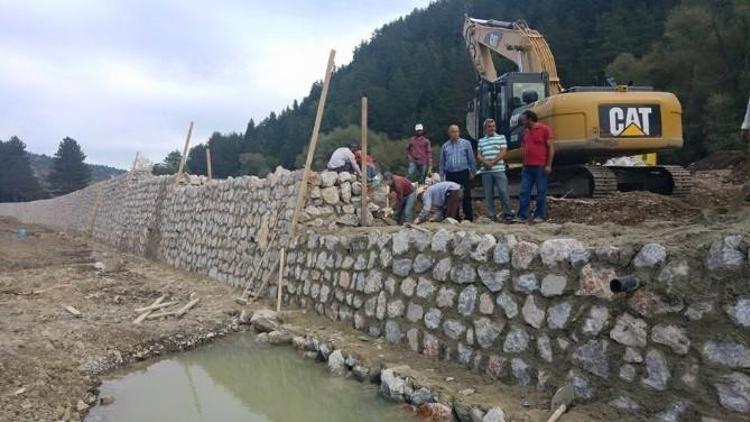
x=238 y=380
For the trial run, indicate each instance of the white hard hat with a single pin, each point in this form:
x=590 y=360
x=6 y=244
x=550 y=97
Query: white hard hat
x=418 y=126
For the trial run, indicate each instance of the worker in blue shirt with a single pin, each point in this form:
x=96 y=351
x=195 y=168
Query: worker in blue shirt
x=457 y=164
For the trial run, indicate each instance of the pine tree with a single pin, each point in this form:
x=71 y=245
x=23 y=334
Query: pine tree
x=69 y=173
x=17 y=180
x=170 y=165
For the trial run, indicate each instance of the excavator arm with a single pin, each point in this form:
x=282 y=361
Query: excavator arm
x=514 y=41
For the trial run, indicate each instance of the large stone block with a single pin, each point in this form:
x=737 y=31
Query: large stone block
x=650 y=255
x=463 y=273
x=726 y=254
x=592 y=357
x=595 y=282
x=533 y=312
x=726 y=353
x=494 y=280
x=557 y=251
x=467 y=301
x=629 y=331
x=523 y=254
x=487 y=331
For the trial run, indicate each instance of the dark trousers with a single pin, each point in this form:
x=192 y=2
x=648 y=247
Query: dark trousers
x=452 y=201
x=462 y=178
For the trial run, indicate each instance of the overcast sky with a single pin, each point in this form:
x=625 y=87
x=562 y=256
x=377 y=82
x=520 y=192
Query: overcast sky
x=128 y=75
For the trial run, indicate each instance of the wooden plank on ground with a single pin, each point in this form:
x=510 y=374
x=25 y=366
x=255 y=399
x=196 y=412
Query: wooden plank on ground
x=145 y=315
x=156 y=306
x=182 y=311
x=73 y=311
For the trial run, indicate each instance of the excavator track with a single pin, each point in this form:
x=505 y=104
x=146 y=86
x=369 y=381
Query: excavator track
x=664 y=180
x=603 y=181
x=586 y=181
x=682 y=180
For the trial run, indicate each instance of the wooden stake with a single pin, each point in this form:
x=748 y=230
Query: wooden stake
x=313 y=143
x=281 y=280
x=97 y=203
x=160 y=314
x=185 y=152
x=208 y=163
x=364 y=214
x=135 y=161
x=131 y=175
x=155 y=306
x=187 y=307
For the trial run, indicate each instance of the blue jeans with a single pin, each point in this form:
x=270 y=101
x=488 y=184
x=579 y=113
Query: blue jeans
x=416 y=172
x=533 y=176
x=405 y=209
x=491 y=182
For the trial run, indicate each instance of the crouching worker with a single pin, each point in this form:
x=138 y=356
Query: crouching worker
x=403 y=197
x=344 y=160
x=443 y=198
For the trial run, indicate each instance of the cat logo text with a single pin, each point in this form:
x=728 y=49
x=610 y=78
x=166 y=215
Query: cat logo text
x=630 y=121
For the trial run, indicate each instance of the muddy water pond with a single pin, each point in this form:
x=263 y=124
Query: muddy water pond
x=237 y=379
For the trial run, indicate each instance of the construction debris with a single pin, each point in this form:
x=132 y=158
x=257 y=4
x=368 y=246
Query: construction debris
x=156 y=306
x=186 y=308
x=145 y=315
x=73 y=311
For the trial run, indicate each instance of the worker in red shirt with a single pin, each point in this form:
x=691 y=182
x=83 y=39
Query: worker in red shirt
x=538 y=155
x=403 y=197
x=419 y=152
x=370 y=167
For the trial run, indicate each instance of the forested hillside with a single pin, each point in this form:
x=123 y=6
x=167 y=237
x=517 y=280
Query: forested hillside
x=42 y=166
x=417 y=69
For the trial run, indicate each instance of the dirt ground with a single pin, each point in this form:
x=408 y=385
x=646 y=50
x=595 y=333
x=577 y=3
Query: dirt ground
x=52 y=361
x=49 y=359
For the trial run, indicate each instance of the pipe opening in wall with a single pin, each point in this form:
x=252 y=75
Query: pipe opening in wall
x=624 y=284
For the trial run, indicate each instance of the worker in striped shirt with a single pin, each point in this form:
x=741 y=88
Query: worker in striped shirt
x=491 y=152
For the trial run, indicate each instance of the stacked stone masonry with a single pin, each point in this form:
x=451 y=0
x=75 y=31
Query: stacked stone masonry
x=536 y=314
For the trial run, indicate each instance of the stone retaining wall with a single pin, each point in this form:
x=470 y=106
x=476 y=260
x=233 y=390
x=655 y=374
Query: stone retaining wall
x=534 y=314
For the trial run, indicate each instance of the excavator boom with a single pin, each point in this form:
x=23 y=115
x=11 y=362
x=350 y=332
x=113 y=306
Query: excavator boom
x=514 y=41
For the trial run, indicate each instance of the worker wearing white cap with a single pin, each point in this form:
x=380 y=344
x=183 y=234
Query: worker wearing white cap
x=419 y=151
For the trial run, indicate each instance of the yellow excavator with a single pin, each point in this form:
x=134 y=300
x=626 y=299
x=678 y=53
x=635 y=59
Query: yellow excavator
x=590 y=124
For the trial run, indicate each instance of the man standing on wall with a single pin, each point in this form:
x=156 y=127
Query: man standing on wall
x=457 y=165
x=491 y=151
x=538 y=155
x=419 y=151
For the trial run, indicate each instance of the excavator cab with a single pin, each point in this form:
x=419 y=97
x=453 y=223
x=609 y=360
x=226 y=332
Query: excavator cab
x=504 y=98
